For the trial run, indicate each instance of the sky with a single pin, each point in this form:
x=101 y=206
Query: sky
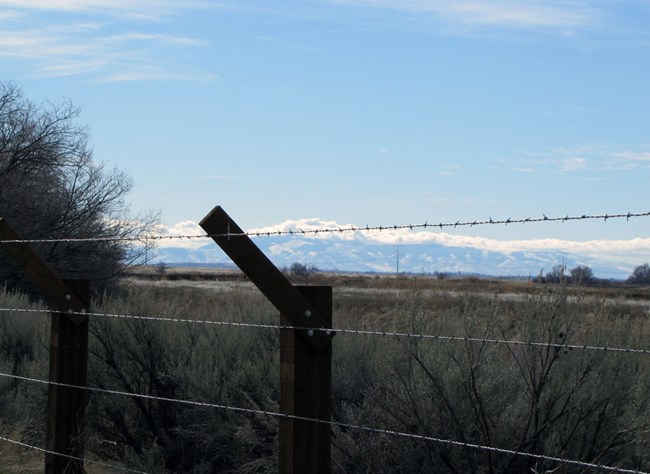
x=363 y=112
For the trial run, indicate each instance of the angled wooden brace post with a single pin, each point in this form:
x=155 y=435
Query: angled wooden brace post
x=68 y=353
x=305 y=352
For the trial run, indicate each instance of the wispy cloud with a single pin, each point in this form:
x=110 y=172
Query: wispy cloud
x=9 y=15
x=449 y=169
x=219 y=177
x=510 y=13
x=136 y=8
x=90 y=44
x=144 y=38
x=627 y=161
x=573 y=163
x=574 y=159
x=634 y=156
x=559 y=159
x=56 y=53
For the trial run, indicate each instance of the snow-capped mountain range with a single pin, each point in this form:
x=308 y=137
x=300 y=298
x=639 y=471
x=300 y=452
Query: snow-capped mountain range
x=413 y=252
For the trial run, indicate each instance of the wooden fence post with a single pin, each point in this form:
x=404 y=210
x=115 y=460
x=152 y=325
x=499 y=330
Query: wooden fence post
x=306 y=391
x=305 y=353
x=68 y=353
x=270 y=281
x=66 y=406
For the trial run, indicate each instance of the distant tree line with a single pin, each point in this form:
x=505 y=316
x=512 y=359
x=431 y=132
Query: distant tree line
x=584 y=275
x=301 y=270
x=640 y=274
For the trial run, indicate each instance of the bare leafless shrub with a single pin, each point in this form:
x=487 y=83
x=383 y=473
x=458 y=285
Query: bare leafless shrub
x=24 y=347
x=542 y=399
x=226 y=366
x=539 y=399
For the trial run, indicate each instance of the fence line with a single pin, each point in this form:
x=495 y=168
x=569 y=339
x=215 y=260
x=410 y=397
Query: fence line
x=75 y=458
x=338 y=424
x=365 y=332
x=281 y=415
x=330 y=230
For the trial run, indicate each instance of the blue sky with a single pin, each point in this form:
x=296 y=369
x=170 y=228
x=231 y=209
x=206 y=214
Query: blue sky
x=356 y=111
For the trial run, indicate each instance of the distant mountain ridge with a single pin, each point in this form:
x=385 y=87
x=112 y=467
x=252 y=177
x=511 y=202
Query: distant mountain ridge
x=346 y=254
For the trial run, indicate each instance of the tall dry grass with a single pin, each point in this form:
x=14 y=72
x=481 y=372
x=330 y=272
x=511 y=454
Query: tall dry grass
x=576 y=404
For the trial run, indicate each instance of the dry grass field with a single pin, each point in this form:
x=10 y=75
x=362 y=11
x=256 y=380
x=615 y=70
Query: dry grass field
x=552 y=398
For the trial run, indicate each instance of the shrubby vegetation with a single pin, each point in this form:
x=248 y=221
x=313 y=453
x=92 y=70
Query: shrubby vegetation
x=640 y=274
x=580 y=275
x=529 y=399
x=576 y=404
x=584 y=275
x=51 y=188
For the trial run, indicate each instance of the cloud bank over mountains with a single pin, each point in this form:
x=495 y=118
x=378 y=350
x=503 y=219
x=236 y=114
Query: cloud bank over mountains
x=419 y=251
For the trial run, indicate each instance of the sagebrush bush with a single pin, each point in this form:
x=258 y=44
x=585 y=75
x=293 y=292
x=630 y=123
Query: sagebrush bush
x=541 y=399
x=24 y=351
x=575 y=404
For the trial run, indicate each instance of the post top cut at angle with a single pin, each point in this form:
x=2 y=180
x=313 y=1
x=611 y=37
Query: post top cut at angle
x=56 y=291
x=266 y=276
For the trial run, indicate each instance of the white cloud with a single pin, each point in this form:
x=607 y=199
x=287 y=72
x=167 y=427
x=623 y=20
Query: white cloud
x=105 y=6
x=220 y=177
x=142 y=37
x=573 y=164
x=629 y=252
x=83 y=50
x=633 y=155
x=309 y=225
x=188 y=229
x=9 y=15
x=586 y=157
x=85 y=40
x=531 y=13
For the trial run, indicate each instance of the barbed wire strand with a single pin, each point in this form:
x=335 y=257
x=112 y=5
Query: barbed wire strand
x=75 y=458
x=257 y=411
x=338 y=230
x=366 y=332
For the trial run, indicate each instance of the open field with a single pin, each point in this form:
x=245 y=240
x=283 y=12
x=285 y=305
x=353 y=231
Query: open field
x=350 y=283
x=388 y=281
x=552 y=398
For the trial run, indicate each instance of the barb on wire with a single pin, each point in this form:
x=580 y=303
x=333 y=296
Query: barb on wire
x=338 y=424
x=340 y=230
x=365 y=332
x=85 y=461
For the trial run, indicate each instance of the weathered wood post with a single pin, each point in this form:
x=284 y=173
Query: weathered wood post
x=305 y=390
x=66 y=406
x=305 y=352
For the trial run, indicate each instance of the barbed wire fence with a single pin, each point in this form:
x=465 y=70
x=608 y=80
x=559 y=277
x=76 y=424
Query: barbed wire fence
x=331 y=423
x=367 y=332
x=339 y=425
x=341 y=230
x=362 y=332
